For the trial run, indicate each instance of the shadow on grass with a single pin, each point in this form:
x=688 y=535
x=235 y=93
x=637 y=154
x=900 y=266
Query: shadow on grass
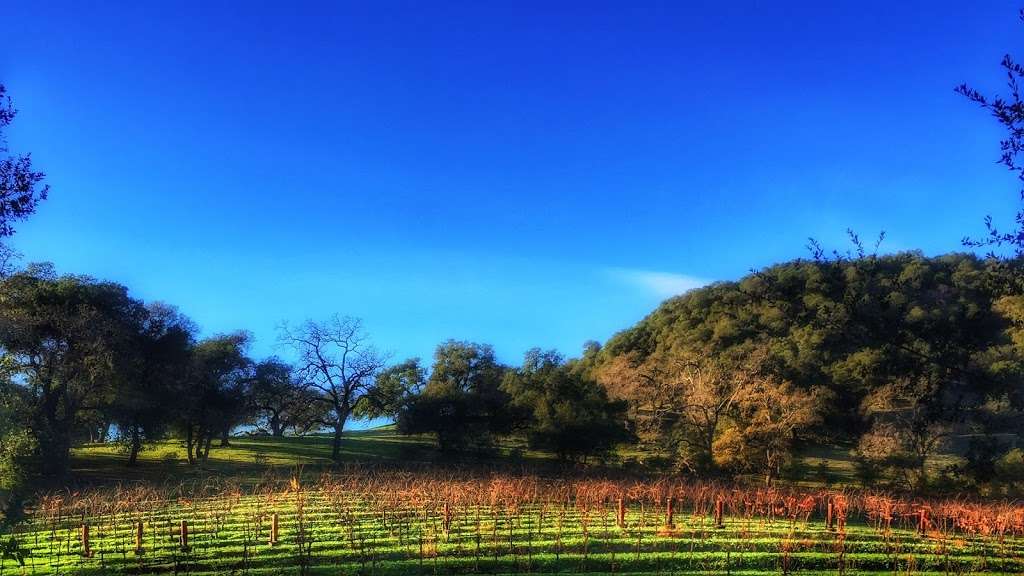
x=250 y=458
x=247 y=457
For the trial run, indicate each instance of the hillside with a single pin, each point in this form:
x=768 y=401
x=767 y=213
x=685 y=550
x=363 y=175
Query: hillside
x=917 y=348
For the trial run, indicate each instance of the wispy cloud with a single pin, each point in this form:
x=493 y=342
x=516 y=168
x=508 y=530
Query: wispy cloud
x=661 y=284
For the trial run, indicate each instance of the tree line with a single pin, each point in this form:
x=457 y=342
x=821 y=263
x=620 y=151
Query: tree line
x=897 y=357
x=84 y=360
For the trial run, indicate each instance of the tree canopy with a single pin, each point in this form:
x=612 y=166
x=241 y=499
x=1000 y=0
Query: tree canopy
x=21 y=185
x=903 y=337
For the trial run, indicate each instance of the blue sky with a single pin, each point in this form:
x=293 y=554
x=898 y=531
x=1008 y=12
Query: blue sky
x=523 y=174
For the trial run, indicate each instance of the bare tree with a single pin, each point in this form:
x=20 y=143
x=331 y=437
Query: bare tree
x=770 y=414
x=337 y=361
x=708 y=394
x=651 y=392
x=683 y=399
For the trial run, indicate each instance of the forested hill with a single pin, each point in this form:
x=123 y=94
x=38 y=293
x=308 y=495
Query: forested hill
x=927 y=343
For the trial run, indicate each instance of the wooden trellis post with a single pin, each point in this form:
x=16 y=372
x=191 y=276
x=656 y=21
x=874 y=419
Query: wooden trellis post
x=922 y=521
x=830 y=516
x=138 y=538
x=669 y=513
x=274 y=529
x=183 y=535
x=447 y=523
x=86 y=548
x=620 y=516
x=718 y=513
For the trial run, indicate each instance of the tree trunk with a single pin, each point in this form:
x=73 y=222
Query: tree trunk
x=135 y=447
x=276 y=430
x=709 y=447
x=339 y=426
x=922 y=475
x=225 y=436
x=336 y=444
x=54 y=438
x=769 y=473
x=189 y=443
x=54 y=449
x=55 y=454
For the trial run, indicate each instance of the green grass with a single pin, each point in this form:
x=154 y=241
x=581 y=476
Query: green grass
x=840 y=462
x=227 y=506
x=354 y=536
x=251 y=457
x=247 y=457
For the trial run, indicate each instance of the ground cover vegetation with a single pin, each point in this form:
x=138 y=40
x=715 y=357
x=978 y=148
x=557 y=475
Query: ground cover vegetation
x=366 y=520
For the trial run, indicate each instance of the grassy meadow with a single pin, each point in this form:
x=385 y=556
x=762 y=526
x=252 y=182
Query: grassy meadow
x=250 y=457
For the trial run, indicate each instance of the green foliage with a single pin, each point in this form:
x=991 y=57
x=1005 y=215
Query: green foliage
x=17 y=457
x=213 y=395
x=18 y=466
x=21 y=187
x=1010 y=471
x=913 y=346
x=569 y=413
x=64 y=339
x=980 y=460
x=281 y=401
x=462 y=403
x=393 y=389
x=157 y=365
x=18 y=447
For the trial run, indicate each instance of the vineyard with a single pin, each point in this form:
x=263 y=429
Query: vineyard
x=371 y=521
